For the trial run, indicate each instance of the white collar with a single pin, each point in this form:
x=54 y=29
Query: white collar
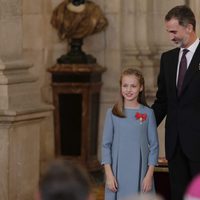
x=192 y=47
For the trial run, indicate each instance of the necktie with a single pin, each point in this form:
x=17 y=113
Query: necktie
x=182 y=70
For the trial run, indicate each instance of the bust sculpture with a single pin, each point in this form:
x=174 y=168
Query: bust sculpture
x=74 y=20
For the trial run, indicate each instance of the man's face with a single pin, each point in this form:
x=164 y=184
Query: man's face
x=179 y=35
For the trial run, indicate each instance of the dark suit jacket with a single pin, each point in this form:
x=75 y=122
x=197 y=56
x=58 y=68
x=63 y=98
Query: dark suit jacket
x=183 y=113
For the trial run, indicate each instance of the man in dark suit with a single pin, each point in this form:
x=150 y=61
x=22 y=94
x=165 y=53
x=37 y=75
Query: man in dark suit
x=178 y=98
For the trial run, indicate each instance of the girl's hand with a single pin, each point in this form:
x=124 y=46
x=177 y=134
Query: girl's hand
x=111 y=183
x=147 y=183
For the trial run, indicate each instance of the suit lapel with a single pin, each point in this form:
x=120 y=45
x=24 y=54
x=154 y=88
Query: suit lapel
x=192 y=69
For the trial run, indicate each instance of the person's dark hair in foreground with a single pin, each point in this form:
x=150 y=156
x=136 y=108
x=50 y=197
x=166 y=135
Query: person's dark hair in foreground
x=64 y=181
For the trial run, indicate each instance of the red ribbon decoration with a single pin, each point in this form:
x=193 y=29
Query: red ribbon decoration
x=140 y=116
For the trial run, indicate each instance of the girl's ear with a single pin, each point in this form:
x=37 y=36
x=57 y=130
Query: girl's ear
x=141 y=88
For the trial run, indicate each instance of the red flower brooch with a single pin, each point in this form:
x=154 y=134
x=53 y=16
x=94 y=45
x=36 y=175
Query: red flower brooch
x=141 y=117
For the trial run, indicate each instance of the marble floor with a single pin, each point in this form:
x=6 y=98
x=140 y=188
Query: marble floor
x=97 y=179
x=99 y=192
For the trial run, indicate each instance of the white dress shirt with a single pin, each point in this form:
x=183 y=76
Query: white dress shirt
x=192 y=48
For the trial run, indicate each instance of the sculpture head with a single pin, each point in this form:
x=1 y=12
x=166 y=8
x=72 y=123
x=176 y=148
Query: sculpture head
x=77 y=2
x=75 y=20
x=73 y=23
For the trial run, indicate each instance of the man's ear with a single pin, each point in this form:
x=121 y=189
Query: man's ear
x=190 y=28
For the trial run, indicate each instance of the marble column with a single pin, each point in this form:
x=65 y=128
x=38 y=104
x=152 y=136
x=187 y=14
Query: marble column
x=21 y=116
x=129 y=47
x=22 y=112
x=11 y=29
x=144 y=29
x=195 y=5
x=112 y=61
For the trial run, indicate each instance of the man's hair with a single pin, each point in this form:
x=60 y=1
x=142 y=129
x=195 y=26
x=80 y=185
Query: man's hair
x=183 y=14
x=64 y=181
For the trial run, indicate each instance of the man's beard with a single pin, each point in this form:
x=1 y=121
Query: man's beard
x=178 y=43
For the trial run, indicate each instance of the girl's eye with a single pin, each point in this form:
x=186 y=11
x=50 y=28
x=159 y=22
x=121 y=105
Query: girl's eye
x=125 y=85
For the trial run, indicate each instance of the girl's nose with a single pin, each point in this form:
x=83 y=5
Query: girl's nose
x=129 y=88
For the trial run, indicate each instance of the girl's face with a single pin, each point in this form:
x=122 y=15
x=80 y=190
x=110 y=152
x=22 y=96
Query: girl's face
x=130 y=88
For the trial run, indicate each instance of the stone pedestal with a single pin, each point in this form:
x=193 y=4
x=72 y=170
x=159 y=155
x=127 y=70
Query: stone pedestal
x=76 y=94
x=21 y=115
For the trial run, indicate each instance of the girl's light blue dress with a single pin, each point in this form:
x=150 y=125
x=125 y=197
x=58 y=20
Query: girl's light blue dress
x=129 y=146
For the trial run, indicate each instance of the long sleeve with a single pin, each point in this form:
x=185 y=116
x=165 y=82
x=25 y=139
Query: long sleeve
x=153 y=140
x=107 y=139
x=160 y=104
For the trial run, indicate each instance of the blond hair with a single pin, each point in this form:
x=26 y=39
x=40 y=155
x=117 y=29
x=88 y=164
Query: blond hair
x=118 y=108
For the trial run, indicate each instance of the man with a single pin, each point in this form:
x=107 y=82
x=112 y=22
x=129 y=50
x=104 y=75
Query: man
x=178 y=98
x=64 y=181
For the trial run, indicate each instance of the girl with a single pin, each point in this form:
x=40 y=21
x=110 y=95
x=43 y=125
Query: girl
x=130 y=142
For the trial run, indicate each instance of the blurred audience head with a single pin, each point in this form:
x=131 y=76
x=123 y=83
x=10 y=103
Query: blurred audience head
x=193 y=190
x=147 y=196
x=64 y=181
